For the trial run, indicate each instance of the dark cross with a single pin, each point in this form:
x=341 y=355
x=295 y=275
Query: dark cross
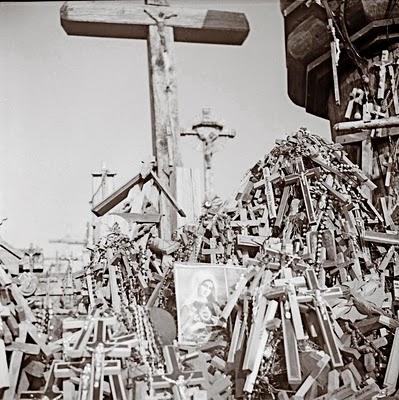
x=271 y=205
x=208 y=131
x=101 y=191
x=174 y=371
x=302 y=177
x=339 y=265
x=291 y=323
x=111 y=368
x=243 y=224
x=77 y=348
x=93 y=331
x=319 y=296
x=161 y=27
x=212 y=251
x=34 y=256
x=50 y=391
x=100 y=333
x=282 y=206
x=103 y=175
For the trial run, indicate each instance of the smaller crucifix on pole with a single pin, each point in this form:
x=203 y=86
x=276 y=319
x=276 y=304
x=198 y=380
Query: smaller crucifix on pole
x=208 y=131
x=103 y=175
x=102 y=178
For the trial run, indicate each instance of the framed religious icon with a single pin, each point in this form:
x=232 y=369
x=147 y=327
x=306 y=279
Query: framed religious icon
x=201 y=294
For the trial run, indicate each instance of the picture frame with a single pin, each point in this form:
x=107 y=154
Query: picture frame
x=201 y=294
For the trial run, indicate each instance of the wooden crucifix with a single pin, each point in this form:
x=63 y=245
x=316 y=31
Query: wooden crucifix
x=302 y=178
x=208 y=131
x=175 y=373
x=291 y=323
x=318 y=296
x=161 y=26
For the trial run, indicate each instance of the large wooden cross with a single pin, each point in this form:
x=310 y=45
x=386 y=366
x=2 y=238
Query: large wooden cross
x=161 y=26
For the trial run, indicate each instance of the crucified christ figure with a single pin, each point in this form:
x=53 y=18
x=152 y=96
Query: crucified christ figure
x=160 y=21
x=181 y=385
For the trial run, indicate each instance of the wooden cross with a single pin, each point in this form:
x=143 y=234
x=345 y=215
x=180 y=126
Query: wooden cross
x=49 y=392
x=110 y=368
x=292 y=361
x=334 y=49
x=208 y=131
x=302 y=178
x=259 y=343
x=37 y=344
x=77 y=348
x=271 y=205
x=282 y=206
x=339 y=265
x=290 y=283
x=100 y=346
x=93 y=331
x=291 y=323
x=306 y=385
x=160 y=26
x=319 y=296
x=383 y=64
x=102 y=175
x=4 y=376
x=213 y=250
x=245 y=241
x=174 y=371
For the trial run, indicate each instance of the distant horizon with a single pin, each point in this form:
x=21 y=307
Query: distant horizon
x=68 y=104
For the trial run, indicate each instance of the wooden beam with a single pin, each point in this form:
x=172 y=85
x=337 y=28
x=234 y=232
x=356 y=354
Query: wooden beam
x=353 y=126
x=125 y=19
x=139 y=218
x=119 y=195
x=381 y=237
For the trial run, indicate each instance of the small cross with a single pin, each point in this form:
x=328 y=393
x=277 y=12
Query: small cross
x=49 y=392
x=174 y=371
x=319 y=296
x=290 y=283
x=208 y=131
x=291 y=322
x=302 y=177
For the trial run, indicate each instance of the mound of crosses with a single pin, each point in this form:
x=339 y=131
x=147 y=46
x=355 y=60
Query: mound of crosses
x=314 y=314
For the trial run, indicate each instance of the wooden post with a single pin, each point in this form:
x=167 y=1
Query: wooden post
x=164 y=115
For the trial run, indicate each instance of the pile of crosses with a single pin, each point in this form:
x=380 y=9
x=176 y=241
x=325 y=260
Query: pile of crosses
x=314 y=314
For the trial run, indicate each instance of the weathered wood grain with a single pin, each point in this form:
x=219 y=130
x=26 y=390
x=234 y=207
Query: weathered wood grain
x=125 y=19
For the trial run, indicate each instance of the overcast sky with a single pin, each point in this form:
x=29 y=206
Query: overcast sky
x=69 y=103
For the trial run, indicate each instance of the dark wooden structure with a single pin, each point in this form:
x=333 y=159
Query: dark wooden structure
x=364 y=28
x=372 y=26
